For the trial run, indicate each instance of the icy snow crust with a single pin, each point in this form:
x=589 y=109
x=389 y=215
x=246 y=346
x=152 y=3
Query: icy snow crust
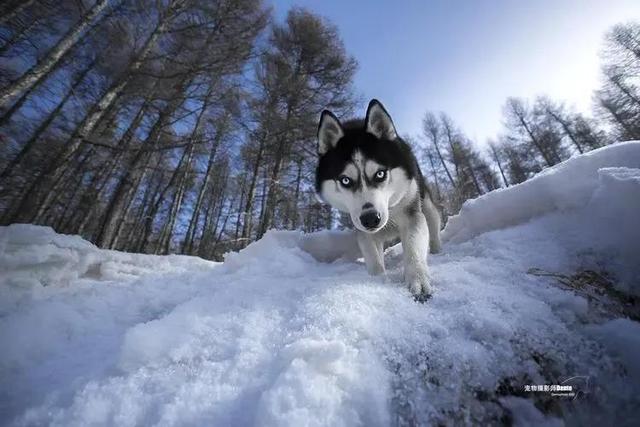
x=291 y=331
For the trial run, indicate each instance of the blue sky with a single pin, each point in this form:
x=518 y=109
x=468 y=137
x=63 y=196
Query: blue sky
x=467 y=57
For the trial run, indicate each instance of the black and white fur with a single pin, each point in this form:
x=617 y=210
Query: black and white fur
x=367 y=170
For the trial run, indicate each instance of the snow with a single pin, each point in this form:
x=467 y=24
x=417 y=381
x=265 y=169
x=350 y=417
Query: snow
x=292 y=331
x=597 y=193
x=37 y=256
x=622 y=337
x=568 y=185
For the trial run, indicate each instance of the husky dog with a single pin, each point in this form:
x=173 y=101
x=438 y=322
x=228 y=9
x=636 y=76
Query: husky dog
x=367 y=170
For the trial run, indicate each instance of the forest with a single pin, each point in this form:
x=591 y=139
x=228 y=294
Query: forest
x=189 y=126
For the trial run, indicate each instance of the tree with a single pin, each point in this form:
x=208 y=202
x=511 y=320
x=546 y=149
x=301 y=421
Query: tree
x=304 y=70
x=471 y=176
x=619 y=98
x=574 y=126
x=525 y=126
x=183 y=126
x=496 y=158
x=40 y=71
x=11 y=8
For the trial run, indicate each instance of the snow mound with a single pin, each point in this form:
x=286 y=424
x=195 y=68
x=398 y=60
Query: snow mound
x=324 y=246
x=622 y=337
x=568 y=185
x=597 y=193
x=38 y=256
x=291 y=331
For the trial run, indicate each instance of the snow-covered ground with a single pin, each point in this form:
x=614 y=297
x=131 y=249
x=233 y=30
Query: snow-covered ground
x=287 y=332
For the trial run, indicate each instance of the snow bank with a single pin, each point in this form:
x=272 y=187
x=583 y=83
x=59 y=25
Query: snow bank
x=324 y=246
x=622 y=337
x=290 y=331
x=274 y=337
x=597 y=194
x=38 y=256
x=611 y=222
x=568 y=185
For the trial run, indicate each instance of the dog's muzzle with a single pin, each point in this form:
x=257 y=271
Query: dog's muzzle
x=370 y=220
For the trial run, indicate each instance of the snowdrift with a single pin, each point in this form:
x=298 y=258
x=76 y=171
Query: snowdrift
x=598 y=193
x=38 y=256
x=568 y=185
x=292 y=331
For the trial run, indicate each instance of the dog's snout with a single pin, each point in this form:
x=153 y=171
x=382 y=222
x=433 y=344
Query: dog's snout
x=367 y=206
x=370 y=219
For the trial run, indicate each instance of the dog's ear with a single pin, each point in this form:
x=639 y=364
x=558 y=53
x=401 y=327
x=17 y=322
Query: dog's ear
x=329 y=132
x=378 y=122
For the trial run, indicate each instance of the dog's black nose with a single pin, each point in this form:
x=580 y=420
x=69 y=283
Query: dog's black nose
x=367 y=206
x=370 y=219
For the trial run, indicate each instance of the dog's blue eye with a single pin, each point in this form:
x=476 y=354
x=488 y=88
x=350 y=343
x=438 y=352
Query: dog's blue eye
x=380 y=175
x=345 y=181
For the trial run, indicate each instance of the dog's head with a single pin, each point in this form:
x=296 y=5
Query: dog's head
x=361 y=168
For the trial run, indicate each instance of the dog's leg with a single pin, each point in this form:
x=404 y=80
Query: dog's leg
x=380 y=249
x=415 y=234
x=373 y=256
x=432 y=215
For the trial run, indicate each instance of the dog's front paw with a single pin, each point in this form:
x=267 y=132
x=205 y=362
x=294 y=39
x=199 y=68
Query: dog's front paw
x=376 y=269
x=435 y=248
x=422 y=298
x=419 y=284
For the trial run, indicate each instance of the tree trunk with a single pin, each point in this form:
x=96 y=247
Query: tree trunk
x=66 y=218
x=263 y=199
x=16 y=36
x=41 y=70
x=617 y=81
x=153 y=211
x=224 y=223
x=534 y=140
x=208 y=230
x=497 y=159
x=61 y=182
x=12 y=8
x=214 y=231
x=455 y=151
x=631 y=131
x=248 y=210
x=189 y=150
x=271 y=196
x=137 y=241
x=294 y=222
x=26 y=148
x=240 y=205
x=129 y=198
x=265 y=223
x=444 y=165
x=435 y=175
x=116 y=205
x=84 y=129
x=114 y=210
x=473 y=175
x=176 y=203
x=95 y=195
x=123 y=145
x=187 y=247
x=565 y=127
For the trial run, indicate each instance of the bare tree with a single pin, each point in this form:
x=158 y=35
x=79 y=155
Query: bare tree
x=496 y=158
x=619 y=97
x=305 y=70
x=431 y=129
x=41 y=70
